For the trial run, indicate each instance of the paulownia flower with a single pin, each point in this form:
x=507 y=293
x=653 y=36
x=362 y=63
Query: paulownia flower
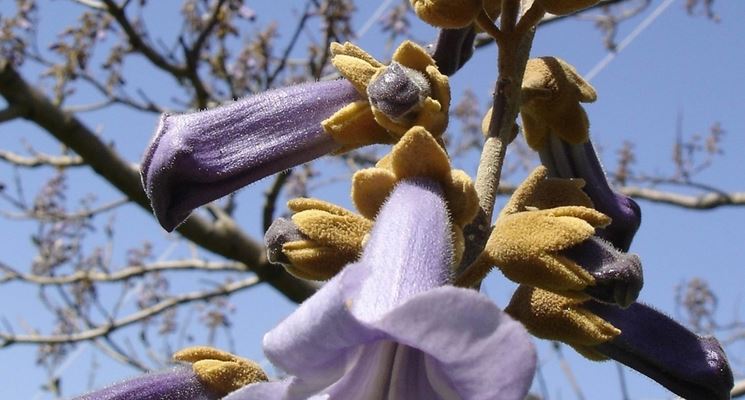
x=199 y=157
x=389 y=326
x=551 y=92
x=545 y=237
x=453 y=48
x=689 y=365
x=322 y=237
x=213 y=374
x=565 y=160
x=408 y=92
x=564 y=7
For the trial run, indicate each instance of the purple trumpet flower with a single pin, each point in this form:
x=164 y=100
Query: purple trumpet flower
x=175 y=384
x=565 y=160
x=688 y=365
x=389 y=326
x=199 y=157
x=454 y=47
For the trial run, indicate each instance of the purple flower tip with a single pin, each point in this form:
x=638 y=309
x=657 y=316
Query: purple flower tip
x=650 y=342
x=176 y=384
x=199 y=157
x=618 y=275
x=566 y=160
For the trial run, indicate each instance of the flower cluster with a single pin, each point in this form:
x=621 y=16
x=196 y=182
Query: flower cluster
x=398 y=317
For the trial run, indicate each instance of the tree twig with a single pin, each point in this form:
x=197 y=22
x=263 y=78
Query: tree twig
x=104 y=330
x=129 y=272
x=225 y=239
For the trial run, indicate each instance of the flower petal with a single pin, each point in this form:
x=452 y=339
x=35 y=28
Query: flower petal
x=689 y=365
x=199 y=157
x=176 y=384
x=384 y=325
x=581 y=161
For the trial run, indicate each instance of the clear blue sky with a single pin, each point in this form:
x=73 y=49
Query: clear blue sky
x=679 y=65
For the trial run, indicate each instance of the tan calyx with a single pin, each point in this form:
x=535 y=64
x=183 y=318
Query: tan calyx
x=219 y=370
x=543 y=217
x=359 y=123
x=449 y=14
x=564 y=7
x=334 y=238
x=553 y=316
x=417 y=154
x=551 y=92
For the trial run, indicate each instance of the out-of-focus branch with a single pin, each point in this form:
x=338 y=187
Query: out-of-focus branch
x=701 y=202
x=484 y=40
x=9 y=113
x=738 y=390
x=122 y=274
x=271 y=195
x=223 y=237
x=138 y=44
x=40 y=160
x=108 y=328
x=706 y=201
x=45 y=215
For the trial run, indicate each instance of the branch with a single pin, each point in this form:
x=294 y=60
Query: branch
x=39 y=160
x=738 y=390
x=705 y=201
x=38 y=215
x=135 y=40
x=9 y=113
x=121 y=274
x=145 y=313
x=223 y=238
x=550 y=18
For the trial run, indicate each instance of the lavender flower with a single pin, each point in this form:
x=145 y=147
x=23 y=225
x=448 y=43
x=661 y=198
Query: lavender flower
x=566 y=160
x=650 y=342
x=690 y=366
x=388 y=326
x=199 y=157
x=175 y=384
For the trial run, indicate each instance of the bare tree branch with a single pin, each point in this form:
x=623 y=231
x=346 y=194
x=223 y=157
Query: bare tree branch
x=105 y=330
x=40 y=160
x=122 y=274
x=701 y=202
x=224 y=237
x=9 y=113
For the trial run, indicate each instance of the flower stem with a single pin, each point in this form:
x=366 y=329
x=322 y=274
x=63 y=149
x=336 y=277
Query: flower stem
x=513 y=55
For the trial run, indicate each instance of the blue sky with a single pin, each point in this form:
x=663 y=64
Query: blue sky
x=680 y=65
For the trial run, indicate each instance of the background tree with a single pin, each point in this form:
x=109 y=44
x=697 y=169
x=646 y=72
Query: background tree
x=83 y=83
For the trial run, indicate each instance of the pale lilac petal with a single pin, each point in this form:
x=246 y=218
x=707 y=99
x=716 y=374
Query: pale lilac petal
x=199 y=157
x=176 y=384
x=409 y=250
x=688 y=365
x=386 y=328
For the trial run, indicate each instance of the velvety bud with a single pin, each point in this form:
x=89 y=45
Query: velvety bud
x=618 y=275
x=567 y=160
x=398 y=91
x=447 y=13
x=280 y=232
x=454 y=47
